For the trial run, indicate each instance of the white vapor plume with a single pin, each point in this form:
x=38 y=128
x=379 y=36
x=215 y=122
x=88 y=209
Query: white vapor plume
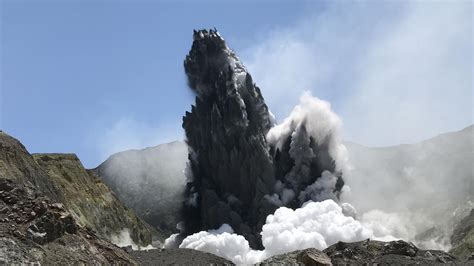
x=320 y=122
x=123 y=239
x=323 y=188
x=396 y=72
x=384 y=66
x=315 y=225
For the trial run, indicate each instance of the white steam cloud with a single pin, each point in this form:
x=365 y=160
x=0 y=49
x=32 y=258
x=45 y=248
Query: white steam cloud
x=123 y=239
x=320 y=122
x=316 y=224
x=321 y=224
x=384 y=66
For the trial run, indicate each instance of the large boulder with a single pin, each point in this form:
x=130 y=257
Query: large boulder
x=17 y=164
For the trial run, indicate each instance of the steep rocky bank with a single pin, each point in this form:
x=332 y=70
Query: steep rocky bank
x=462 y=239
x=34 y=229
x=90 y=201
x=45 y=195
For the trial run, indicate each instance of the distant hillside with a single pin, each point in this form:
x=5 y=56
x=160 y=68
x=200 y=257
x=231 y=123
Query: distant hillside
x=413 y=176
x=150 y=181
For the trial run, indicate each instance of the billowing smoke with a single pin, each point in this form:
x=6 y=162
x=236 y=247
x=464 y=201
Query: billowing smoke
x=310 y=138
x=315 y=117
x=389 y=90
x=309 y=127
x=315 y=225
x=392 y=204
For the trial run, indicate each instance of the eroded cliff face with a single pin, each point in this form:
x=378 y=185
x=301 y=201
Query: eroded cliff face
x=90 y=201
x=236 y=177
x=36 y=230
x=18 y=165
x=61 y=178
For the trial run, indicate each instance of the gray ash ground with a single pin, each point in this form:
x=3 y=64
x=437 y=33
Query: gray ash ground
x=177 y=257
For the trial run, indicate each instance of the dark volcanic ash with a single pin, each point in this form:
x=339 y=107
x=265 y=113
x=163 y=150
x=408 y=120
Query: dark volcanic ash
x=242 y=169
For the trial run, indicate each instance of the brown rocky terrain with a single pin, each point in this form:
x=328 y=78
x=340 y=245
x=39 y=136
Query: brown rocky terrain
x=368 y=252
x=54 y=212
x=63 y=179
x=33 y=229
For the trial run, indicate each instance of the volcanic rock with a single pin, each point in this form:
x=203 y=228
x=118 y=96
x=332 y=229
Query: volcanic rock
x=90 y=201
x=371 y=252
x=462 y=239
x=41 y=232
x=49 y=199
x=177 y=256
x=310 y=257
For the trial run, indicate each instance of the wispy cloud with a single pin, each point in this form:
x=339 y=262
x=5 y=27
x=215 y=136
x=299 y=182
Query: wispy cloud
x=396 y=72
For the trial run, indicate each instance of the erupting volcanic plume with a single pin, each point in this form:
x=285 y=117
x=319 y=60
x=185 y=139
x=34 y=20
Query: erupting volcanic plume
x=242 y=168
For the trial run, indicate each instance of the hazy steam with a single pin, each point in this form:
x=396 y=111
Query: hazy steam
x=418 y=192
x=319 y=121
x=123 y=239
x=150 y=181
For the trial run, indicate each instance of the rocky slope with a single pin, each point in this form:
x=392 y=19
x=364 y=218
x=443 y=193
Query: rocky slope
x=310 y=256
x=33 y=229
x=368 y=252
x=462 y=239
x=61 y=178
x=177 y=256
x=90 y=201
x=385 y=253
x=438 y=170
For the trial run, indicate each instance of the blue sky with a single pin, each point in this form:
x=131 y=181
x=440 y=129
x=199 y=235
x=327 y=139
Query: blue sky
x=95 y=78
